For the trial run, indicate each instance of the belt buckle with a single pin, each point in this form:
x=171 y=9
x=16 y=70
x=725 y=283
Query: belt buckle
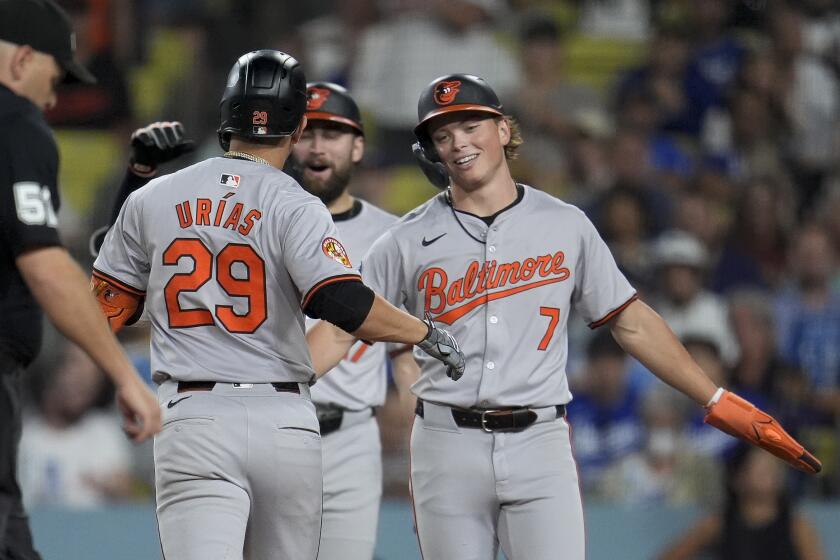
x=484 y=420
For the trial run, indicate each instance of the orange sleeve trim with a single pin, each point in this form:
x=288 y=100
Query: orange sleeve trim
x=322 y=283
x=613 y=313
x=118 y=283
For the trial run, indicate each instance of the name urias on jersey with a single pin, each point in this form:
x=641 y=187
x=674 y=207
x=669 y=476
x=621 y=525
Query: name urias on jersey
x=205 y=214
x=480 y=278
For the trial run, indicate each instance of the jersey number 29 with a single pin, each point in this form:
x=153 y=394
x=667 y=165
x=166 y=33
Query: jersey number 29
x=251 y=287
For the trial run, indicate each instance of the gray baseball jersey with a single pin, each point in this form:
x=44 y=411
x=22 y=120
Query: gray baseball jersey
x=231 y=251
x=359 y=380
x=504 y=291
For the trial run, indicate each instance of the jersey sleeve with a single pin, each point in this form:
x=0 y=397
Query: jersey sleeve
x=28 y=187
x=122 y=258
x=312 y=251
x=601 y=290
x=382 y=270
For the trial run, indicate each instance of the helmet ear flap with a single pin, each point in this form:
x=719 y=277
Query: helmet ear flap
x=428 y=148
x=433 y=169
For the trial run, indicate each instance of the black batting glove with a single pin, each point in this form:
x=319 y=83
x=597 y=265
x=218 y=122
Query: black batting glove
x=434 y=171
x=157 y=143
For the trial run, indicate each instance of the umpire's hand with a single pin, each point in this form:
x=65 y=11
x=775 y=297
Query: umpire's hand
x=157 y=143
x=139 y=408
x=441 y=345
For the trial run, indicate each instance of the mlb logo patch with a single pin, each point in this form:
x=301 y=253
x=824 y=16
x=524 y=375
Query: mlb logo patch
x=229 y=180
x=260 y=131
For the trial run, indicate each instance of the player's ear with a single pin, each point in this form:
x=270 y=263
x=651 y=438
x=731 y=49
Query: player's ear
x=299 y=130
x=358 y=150
x=503 y=127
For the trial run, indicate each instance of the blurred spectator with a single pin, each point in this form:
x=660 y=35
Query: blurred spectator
x=702 y=216
x=624 y=225
x=622 y=19
x=808 y=317
x=549 y=108
x=588 y=167
x=604 y=411
x=682 y=263
x=828 y=210
x=641 y=112
x=73 y=454
x=744 y=136
x=632 y=170
x=665 y=471
x=758 y=518
x=715 y=59
x=662 y=79
x=812 y=103
x=754 y=252
x=754 y=377
x=398 y=57
x=330 y=40
x=105 y=104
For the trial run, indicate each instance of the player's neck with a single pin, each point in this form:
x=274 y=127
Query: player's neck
x=275 y=156
x=486 y=199
x=344 y=203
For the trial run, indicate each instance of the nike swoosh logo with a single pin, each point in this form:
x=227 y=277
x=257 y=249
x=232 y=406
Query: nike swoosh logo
x=174 y=402
x=430 y=241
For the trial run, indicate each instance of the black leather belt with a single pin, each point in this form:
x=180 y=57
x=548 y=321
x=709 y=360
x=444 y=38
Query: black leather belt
x=500 y=420
x=280 y=387
x=331 y=417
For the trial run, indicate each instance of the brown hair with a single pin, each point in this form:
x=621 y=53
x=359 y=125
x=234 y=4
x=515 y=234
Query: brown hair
x=512 y=148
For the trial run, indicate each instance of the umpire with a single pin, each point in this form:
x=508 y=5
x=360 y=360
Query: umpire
x=37 y=54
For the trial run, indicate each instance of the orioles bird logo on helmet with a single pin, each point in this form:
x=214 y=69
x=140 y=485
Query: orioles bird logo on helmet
x=445 y=92
x=316 y=97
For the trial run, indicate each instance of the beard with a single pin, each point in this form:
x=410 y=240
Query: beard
x=330 y=188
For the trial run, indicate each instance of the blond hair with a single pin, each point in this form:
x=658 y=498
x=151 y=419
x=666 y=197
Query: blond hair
x=512 y=147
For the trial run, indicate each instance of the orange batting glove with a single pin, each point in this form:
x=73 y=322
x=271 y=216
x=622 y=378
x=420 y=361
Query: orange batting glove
x=731 y=414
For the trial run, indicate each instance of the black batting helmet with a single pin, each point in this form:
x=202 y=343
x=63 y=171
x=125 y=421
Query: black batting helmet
x=326 y=101
x=451 y=93
x=265 y=97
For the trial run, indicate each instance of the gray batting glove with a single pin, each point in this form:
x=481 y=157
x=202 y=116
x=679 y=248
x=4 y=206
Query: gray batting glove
x=440 y=345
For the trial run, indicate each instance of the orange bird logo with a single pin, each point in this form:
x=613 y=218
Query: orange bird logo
x=315 y=97
x=445 y=92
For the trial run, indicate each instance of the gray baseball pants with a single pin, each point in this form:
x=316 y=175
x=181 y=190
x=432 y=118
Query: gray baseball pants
x=352 y=489
x=473 y=490
x=238 y=474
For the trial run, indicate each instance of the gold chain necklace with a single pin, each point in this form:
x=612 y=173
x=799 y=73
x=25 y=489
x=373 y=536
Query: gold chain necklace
x=243 y=155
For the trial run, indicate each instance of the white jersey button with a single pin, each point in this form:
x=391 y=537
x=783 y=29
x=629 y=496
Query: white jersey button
x=491 y=365
x=492 y=248
x=494 y=319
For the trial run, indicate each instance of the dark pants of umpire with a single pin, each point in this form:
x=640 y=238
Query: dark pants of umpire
x=15 y=537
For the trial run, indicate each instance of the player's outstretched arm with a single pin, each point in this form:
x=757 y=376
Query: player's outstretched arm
x=60 y=287
x=328 y=344
x=151 y=145
x=643 y=334
x=356 y=309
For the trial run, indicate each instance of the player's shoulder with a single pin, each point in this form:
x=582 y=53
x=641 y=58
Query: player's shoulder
x=375 y=215
x=421 y=217
x=541 y=201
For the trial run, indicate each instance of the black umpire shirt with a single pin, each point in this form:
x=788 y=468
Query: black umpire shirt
x=28 y=208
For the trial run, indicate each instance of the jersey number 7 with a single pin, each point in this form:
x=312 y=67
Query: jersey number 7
x=251 y=287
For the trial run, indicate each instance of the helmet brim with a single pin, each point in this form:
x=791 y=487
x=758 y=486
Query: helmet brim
x=462 y=107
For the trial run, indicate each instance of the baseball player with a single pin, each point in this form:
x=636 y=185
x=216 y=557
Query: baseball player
x=502 y=264
x=227 y=253
x=330 y=147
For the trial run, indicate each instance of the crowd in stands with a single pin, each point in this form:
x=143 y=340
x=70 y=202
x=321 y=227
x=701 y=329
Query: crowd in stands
x=700 y=136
